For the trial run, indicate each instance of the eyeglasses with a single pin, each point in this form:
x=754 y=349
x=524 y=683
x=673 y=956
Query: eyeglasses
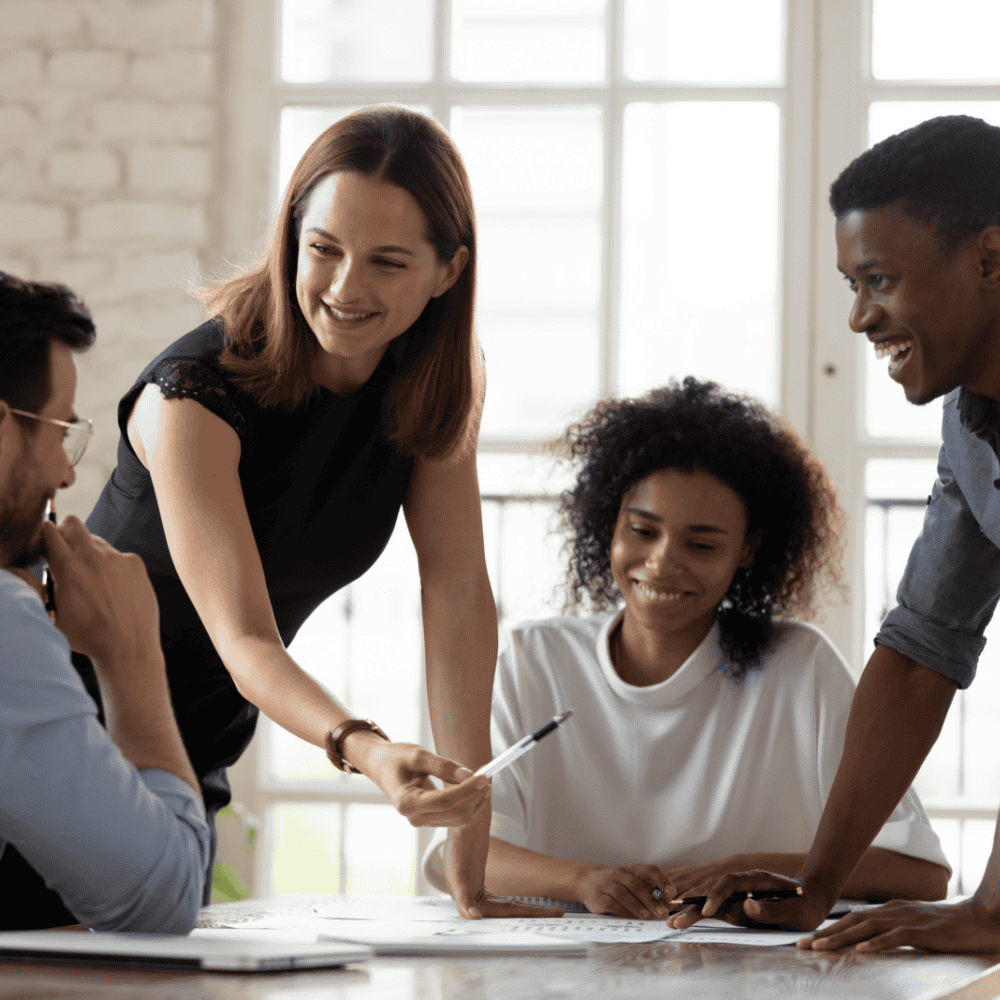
x=75 y=437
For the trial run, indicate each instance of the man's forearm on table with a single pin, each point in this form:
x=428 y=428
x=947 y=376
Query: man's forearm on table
x=896 y=716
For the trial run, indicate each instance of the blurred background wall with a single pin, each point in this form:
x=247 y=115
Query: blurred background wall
x=110 y=134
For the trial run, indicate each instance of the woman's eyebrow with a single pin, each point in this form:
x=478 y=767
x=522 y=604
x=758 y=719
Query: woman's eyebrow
x=333 y=239
x=701 y=528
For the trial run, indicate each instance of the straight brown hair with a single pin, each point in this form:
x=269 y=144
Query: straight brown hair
x=434 y=403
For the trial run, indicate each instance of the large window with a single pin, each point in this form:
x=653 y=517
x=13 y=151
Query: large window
x=650 y=181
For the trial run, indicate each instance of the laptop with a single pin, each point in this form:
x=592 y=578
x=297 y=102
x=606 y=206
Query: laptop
x=167 y=951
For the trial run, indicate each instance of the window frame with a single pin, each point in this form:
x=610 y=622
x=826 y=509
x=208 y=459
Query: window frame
x=822 y=103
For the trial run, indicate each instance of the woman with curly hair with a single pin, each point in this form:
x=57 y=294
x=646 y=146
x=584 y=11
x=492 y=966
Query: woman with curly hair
x=708 y=723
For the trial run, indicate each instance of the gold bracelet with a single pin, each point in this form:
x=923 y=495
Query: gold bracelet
x=336 y=738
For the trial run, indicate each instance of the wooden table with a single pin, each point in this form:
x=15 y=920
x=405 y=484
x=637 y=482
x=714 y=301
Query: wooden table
x=609 y=972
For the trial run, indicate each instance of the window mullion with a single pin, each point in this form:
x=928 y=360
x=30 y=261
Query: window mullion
x=611 y=203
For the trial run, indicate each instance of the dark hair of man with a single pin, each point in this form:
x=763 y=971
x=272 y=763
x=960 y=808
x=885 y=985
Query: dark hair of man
x=32 y=314
x=793 y=521
x=434 y=405
x=945 y=173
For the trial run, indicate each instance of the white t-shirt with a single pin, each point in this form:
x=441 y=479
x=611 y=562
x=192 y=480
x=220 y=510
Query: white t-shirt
x=692 y=769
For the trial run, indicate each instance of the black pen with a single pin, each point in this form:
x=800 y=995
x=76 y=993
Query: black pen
x=47 y=582
x=765 y=896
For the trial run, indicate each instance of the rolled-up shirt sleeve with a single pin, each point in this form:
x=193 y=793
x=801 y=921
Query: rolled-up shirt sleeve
x=126 y=850
x=949 y=589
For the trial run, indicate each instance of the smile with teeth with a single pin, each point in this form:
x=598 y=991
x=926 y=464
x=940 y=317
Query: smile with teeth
x=655 y=594
x=348 y=317
x=897 y=352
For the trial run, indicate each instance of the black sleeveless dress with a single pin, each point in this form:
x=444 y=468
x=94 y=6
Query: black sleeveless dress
x=323 y=488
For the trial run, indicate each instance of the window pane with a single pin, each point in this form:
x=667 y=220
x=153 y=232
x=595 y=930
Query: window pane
x=887 y=413
x=981 y=776
x=375 y=670
x=977 y=842
x=300 y=126
x=380 y=850
x=886 y=118
x=523 y=473
x=922 y=40
x=536 y=178
x=896 y=492
x=387 y=641
x=543 y=41
x=356 y=40
x=306 y=846
x=686 y=308
x=951 y=843
x=525 y=561
x=322 y=648
x=531 y=565
x=717 y=41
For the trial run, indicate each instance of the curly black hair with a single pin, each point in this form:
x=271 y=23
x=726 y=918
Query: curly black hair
x=793 y=520
x=945 y=172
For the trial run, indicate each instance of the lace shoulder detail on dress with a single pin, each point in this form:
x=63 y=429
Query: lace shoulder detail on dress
x=188 y=378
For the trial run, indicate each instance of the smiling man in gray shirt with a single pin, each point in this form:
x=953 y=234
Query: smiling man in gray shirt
x=101 y=827
x=918 y=241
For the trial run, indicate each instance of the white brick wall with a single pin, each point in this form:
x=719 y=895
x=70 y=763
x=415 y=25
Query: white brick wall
x=109 y=132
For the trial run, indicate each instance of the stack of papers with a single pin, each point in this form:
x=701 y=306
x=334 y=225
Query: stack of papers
x=408 y=925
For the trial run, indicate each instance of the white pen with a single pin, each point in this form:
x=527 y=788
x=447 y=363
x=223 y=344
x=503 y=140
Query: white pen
x=522 y=746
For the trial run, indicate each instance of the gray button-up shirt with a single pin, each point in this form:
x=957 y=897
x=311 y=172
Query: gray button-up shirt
x=952 y=579
x=126 y=850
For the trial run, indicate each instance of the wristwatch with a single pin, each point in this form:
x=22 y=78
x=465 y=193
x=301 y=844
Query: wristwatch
x=336 y=738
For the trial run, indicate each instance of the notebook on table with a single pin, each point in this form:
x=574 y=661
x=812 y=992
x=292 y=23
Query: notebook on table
x=167 y=951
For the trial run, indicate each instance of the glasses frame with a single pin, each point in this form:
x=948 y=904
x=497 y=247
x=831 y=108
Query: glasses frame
x=84 y=426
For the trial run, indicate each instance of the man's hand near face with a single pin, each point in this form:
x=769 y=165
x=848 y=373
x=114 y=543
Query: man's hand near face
x=105 y=604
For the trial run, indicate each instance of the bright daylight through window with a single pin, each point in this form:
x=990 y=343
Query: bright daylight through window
x=645 y=180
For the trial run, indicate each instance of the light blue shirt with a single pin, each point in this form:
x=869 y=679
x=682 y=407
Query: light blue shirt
x=126 y=850
x=952 y=579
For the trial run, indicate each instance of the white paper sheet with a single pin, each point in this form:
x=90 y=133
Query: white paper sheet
x=371 y=907
x=396 y=919
x=744 y=936
x=407 y=937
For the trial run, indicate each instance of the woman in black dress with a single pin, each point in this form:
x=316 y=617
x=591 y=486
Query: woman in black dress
x=265 y=455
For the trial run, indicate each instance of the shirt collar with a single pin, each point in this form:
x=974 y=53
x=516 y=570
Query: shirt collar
x=978 y=415
x=695 y=669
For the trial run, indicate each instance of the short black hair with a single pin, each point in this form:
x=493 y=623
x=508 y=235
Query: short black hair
x=793 y=521
x=944 y=171
x=32 y=313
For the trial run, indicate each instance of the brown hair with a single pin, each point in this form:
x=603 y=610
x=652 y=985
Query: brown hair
x=433 y=406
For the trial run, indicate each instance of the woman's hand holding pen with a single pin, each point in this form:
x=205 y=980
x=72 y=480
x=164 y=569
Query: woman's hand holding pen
x=401 y=770
x=626 y=891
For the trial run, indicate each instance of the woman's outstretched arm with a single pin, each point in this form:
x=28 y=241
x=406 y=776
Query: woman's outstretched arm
x=193 y=457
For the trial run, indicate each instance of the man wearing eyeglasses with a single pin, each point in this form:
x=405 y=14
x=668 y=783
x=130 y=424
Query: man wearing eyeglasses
x=101 y=827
